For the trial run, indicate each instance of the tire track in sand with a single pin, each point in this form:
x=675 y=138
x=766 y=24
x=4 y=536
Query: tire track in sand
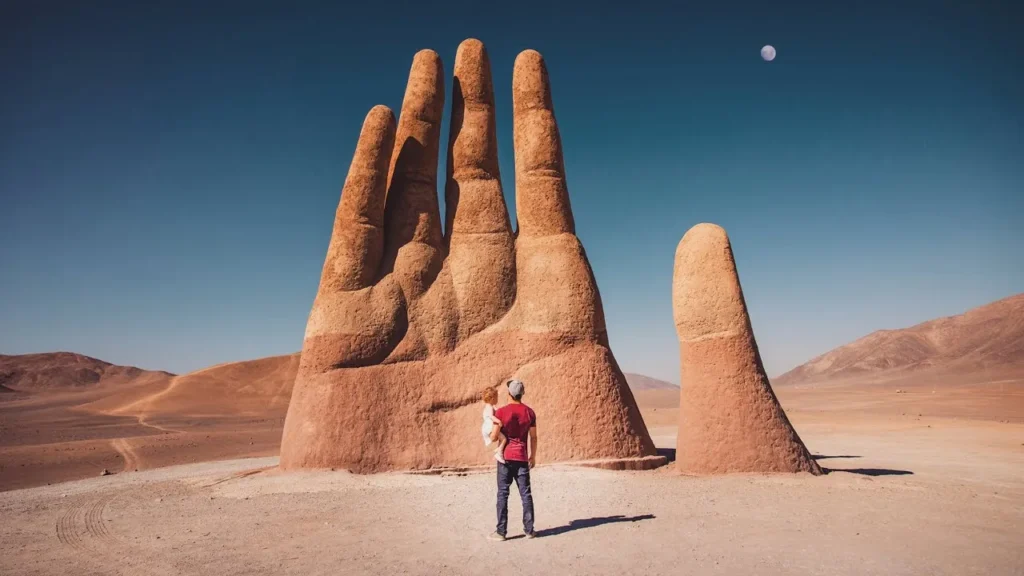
x=237 y=475
x=143 y=422
x=67 y=527
x=128 y=454
x=82 y=527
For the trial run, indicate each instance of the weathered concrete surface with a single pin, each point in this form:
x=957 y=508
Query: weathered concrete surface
x=729 y=418
x=410 y=324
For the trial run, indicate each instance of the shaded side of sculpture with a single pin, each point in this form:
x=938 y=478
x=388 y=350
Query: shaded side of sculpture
x=411 y=323
x=729 y=417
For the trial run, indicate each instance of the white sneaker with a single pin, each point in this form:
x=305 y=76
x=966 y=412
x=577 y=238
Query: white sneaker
x=499 y=457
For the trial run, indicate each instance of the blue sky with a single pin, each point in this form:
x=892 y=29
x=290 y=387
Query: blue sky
x=169 y=170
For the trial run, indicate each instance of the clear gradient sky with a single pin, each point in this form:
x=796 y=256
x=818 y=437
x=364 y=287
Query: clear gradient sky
x=169 y=171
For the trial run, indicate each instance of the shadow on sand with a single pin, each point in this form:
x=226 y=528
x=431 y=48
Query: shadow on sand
x=670 y=453
x=868 y=471
x=590 y=523
x=861 y=471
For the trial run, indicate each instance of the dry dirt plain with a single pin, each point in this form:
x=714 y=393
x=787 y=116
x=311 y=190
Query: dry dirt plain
x=925 y=481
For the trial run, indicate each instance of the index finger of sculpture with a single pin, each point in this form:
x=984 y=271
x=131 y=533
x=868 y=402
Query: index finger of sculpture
x=357 y=240
x=542 y=198
x=412 y=213
x=555 y=289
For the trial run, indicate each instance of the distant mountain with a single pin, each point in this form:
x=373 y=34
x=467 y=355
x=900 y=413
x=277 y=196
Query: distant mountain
x=64 y=370
x=990 y=337
x=640 y=382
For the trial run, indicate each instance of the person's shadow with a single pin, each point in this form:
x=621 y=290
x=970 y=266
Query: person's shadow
x=590 y=523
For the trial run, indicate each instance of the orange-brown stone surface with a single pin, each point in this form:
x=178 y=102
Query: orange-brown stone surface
x=410 y=323
x=729 y=418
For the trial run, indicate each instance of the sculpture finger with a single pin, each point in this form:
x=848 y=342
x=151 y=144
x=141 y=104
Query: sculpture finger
x=706 y=295
x=555 y=289
x=542 y=199
x=473 y=197
x=355 y=320
x=479 y=235
x=412 y=213
x=729 y=418
x=357 y=241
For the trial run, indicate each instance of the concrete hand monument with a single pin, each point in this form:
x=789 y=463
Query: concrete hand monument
x=411 y=322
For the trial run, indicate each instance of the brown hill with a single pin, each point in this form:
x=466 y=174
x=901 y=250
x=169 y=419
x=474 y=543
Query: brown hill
x=63 y=370
x=78 y=415
x=639 y=382
x=989 y=338
x=251 y=388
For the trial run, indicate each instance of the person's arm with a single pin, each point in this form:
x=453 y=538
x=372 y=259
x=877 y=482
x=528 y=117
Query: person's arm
x=496 y=430
x=533 y=446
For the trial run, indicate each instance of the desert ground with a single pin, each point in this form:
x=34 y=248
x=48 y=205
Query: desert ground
x=927 y=480
x=153 y=419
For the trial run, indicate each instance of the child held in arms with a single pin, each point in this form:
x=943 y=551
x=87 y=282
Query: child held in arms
x=490 y=397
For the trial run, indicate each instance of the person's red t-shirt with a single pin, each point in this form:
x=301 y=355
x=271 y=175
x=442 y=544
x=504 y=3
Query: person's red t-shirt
x=516 y=421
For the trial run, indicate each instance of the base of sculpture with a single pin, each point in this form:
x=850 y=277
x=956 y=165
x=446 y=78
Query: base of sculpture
x=617 y=464
x=641 y=463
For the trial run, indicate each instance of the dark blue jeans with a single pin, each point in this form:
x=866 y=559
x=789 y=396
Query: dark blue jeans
x=520 y=472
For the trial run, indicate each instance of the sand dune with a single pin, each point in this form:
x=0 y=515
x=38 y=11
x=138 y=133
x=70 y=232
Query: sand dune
x=94 y=415
x=987 y=339
x=253 y=388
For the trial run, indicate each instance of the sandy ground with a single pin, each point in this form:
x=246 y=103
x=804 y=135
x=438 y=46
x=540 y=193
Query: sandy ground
x=927 y=480
x=906 y=496
x=53 y=438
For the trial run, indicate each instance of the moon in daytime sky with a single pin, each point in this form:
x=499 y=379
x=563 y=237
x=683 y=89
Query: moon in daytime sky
x=768 y=53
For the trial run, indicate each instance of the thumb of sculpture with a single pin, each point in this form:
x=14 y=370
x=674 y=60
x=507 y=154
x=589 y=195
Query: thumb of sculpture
x=729 y=418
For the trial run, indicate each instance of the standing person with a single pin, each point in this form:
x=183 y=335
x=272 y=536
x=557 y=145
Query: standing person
x=519 y=426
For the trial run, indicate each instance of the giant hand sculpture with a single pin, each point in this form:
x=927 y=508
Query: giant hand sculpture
x=409 y=325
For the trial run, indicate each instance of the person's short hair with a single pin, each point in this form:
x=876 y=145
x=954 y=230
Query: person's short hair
x=490 y=395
